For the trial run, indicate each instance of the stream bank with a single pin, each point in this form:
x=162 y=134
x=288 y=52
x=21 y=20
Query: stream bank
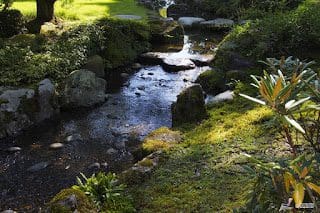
x=103 y=138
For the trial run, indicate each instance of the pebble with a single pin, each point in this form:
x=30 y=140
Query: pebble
x=136 y=66
x=120 y=145
x=141 y=88
x=38 y=167
x=71 y=138
x=14 y=149
x=56 y=146
x=111 y=151
x=150 y=73
x=94 y=166
x=138 y=94
x=124 y=75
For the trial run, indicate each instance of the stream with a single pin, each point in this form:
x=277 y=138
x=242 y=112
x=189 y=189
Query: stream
x=98 y=139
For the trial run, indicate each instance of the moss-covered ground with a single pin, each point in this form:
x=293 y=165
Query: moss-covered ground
x=84 y=10
x=205 y=173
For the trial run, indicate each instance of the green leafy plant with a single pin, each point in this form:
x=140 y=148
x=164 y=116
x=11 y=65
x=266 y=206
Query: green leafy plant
x=279 y=94
x=278 y=181
x=101 y=188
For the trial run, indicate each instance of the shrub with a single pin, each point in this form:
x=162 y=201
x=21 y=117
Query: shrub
x=11 y=23
x=289 y=33
x=105 y=191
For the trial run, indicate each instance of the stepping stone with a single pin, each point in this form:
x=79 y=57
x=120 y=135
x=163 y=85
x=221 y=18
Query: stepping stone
x=129 y=17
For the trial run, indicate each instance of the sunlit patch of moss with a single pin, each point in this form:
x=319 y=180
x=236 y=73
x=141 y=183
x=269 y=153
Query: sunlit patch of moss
x=161 y=139
x=204 y=173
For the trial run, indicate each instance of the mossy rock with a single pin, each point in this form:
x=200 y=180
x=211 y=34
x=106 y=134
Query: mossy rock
x=190 y=106
x=83 y=203
x=161 y=139
x=212 y=82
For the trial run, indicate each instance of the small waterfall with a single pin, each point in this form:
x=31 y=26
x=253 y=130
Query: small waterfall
x=163 y=11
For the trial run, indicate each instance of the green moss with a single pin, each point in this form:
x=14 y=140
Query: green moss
x=146 y=162
x=161 y=139
x=212 y=82
x=84 y=205
x=204 y=173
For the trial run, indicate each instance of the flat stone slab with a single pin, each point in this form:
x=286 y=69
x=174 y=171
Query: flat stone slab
x=190 y=21
x=217 y=23
x=202 y=60
x=129 y=17
x=177 y=64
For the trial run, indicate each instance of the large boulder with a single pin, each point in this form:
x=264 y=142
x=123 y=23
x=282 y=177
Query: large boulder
x=83 y=89
x=190 y=106
x=96 y=65
x=21 y=108
x=179 y=10
x=166 y=31
x=189 y=22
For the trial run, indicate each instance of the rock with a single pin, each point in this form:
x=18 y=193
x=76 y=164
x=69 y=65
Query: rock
x=111 y=151
x=212 y=82
x=217 y=24
x=83 y=89
x=14 y=149
x=190 y=106
x=153 y=58
x=72 y=138
x=190 y=21
x=177 y=64
x=136 y=66
x=21 y=108
x=70 y=202
x=141 y=170
x=120 y=145
x=12 y=98
x=48 y=28
x=167 y=32
x=96 y=65
x=8 y=211
x=56 y=146
x=225 y=96
x=95 y=166
x=129 y=17
x=46 y=100
x=202 y=60
x=124 y=75
x=39 y=166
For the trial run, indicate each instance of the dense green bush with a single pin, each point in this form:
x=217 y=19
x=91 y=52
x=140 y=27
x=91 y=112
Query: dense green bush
x=280 y=34
x=11 y=23
x=240 y=8
x=27 y=59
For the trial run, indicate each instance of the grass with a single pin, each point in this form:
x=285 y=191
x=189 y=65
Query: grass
x=85 y=10
x=204 y=173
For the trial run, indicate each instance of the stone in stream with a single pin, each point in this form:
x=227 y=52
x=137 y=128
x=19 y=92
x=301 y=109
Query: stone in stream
x=8 y=211
x=124 y=75
x=72 y=138
x=39 y=166
x=190 y=21
x=14 y=149
x=190 y=106
x=56 y=146
x=136 y=66
x=153 y=58
x=202 y=60
x=177 y=64
x=111 y=151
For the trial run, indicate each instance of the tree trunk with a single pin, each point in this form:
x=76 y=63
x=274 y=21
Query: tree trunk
x=45 y=10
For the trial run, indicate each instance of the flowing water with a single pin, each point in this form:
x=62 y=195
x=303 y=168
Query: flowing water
x=101 y=138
